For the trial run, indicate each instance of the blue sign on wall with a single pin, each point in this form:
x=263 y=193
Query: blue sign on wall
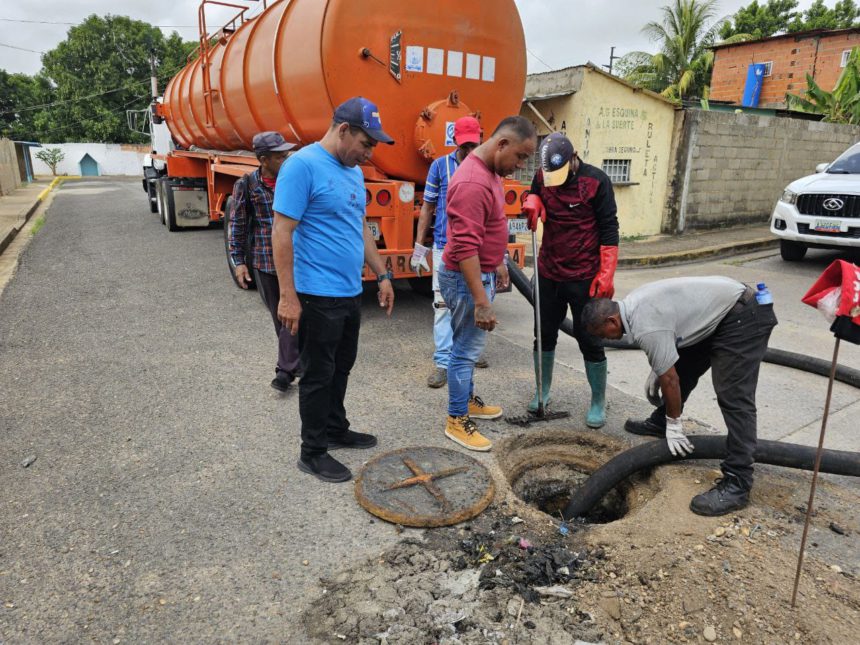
x=752 y=89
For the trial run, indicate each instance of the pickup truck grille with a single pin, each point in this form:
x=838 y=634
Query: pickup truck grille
x=813 y=204
x=852 y=233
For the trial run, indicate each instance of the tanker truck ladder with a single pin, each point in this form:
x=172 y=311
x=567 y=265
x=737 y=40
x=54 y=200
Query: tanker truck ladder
x=220 y=35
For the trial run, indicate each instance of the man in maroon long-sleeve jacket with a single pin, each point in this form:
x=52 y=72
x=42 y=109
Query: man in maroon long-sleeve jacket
x=474 y=261
x=577 y=259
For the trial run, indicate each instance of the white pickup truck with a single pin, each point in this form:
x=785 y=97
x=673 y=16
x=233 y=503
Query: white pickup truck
x=821 y=210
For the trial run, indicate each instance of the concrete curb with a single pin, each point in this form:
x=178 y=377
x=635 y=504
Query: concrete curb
x=694 y=255
x=13 y=232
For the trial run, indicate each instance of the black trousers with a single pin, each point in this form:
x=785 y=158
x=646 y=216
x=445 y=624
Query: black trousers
x=288 y=345
x=555 y=298
x=328 y=345
x=734 y=353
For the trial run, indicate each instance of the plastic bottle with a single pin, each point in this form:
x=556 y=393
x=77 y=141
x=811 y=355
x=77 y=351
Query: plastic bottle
x=763 y=295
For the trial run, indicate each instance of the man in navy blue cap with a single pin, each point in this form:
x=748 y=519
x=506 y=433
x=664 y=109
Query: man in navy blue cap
x=321 y=242
x=249 y=239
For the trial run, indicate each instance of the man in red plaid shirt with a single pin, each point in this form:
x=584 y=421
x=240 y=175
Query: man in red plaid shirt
x=249 y=239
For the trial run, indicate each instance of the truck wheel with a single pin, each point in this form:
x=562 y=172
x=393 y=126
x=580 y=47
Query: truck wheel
x=230 y=266
x=153 y=197
x=422 y=286
x=792 y=251
x=169 y=213
x=159 y=192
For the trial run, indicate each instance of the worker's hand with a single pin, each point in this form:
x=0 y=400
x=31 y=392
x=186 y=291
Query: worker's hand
x=652 y=389
x=679 y=445
x=503 y=278
x=243 y=277
x=603 y=285
x=419 y=259
x=485 y=317
x=386 y=296
x=534 y=210
x=289 y=313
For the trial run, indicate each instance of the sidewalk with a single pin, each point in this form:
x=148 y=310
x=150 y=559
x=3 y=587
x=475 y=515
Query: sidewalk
x=16 y=208
x=692 y=246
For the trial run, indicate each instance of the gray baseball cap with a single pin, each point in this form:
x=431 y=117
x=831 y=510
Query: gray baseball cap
x=270 y=142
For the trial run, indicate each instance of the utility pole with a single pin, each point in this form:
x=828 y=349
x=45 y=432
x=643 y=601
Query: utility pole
x=153 y=74
x=612 y=59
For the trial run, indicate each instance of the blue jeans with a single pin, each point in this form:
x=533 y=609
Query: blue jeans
x=441 y=317
x=468 y=340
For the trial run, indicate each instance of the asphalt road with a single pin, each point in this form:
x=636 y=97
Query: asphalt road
x=164 y=503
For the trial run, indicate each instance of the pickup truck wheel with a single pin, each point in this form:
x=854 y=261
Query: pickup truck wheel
x=792 y=251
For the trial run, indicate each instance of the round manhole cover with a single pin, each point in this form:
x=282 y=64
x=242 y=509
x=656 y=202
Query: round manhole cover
x=424 y=487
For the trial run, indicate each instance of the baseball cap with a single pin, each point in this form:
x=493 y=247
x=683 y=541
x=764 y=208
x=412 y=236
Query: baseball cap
x=270 y=142
x=361 y=113
x=556 y=153
x=467 y=129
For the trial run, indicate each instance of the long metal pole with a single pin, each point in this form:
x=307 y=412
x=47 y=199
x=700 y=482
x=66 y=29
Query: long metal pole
x=815 y=473
x=539 y=361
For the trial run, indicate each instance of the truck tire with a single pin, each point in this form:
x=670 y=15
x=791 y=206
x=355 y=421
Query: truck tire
x=792 y=251
x=230 y=266
x=168 y=214
x=152 y=193
x=159 y=191
x=422 y=286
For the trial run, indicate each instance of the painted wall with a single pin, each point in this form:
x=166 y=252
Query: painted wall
x=733 y=167
x=792 y=59
x=113 y=158
x=608 y=119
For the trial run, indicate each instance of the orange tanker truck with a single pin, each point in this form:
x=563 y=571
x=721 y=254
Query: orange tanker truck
x=288 y=65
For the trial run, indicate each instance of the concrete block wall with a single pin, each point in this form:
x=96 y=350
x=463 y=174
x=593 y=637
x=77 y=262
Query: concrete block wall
x=10 y=177
x=733 y=167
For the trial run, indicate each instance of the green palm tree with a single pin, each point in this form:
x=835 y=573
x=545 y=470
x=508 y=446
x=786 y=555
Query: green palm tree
x=682 y=67
x=842 y=105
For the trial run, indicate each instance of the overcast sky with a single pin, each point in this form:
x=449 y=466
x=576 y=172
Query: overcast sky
x=559 y=33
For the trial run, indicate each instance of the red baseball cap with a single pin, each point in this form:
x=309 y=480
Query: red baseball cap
x=467 y=129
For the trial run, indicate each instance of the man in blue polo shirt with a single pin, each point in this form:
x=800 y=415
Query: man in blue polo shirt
x=321 y=242
x=467 y=136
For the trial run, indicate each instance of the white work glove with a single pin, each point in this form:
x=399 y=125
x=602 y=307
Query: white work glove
x=679 y=445
x=652 y=390
x=419 y=259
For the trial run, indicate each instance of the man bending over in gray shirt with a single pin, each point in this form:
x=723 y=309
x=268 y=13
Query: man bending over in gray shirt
x=686 y=326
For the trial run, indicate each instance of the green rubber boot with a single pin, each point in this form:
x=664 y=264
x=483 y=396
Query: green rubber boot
x=547 y=363
x=596 y=374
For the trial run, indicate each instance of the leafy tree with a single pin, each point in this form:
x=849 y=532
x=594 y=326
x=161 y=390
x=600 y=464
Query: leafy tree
x=52 y=158
x=99 y=71
x=761 y=20
x=682 y=67
x=16 y=91
x=842 y=105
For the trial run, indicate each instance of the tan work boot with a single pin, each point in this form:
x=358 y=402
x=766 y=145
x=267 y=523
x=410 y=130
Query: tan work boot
x=463 y=430
x=480 y=410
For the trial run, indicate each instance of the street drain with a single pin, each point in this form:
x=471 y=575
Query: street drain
x=545 y=468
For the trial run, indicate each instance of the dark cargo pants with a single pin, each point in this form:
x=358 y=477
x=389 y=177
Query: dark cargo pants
x=734 y=353
x=288 y=345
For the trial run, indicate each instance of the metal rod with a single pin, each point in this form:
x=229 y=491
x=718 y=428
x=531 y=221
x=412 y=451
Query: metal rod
x=815 y=473
x=539 y=361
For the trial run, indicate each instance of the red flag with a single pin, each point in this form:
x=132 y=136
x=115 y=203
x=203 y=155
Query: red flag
x=844 y=276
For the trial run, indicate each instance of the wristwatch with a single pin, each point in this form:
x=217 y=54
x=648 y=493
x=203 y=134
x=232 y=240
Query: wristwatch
x=384 y=276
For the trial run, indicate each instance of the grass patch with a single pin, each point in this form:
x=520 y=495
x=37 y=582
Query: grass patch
x=633 y=238
x=37 y=225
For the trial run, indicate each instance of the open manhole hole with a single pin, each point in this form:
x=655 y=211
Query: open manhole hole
x=544 y=469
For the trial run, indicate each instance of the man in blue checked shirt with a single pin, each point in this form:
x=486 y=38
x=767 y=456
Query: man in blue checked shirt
x=250 y=216
x=467 y=136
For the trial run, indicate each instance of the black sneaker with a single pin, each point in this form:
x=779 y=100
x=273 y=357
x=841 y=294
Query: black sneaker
x=326 y=468
x=350 y=439
x=646 y=427
x=727 y=495
x=282 y=381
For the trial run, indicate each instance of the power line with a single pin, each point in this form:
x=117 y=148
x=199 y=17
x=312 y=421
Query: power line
x=539 y=58
x=23 y=49
x=53 y=22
